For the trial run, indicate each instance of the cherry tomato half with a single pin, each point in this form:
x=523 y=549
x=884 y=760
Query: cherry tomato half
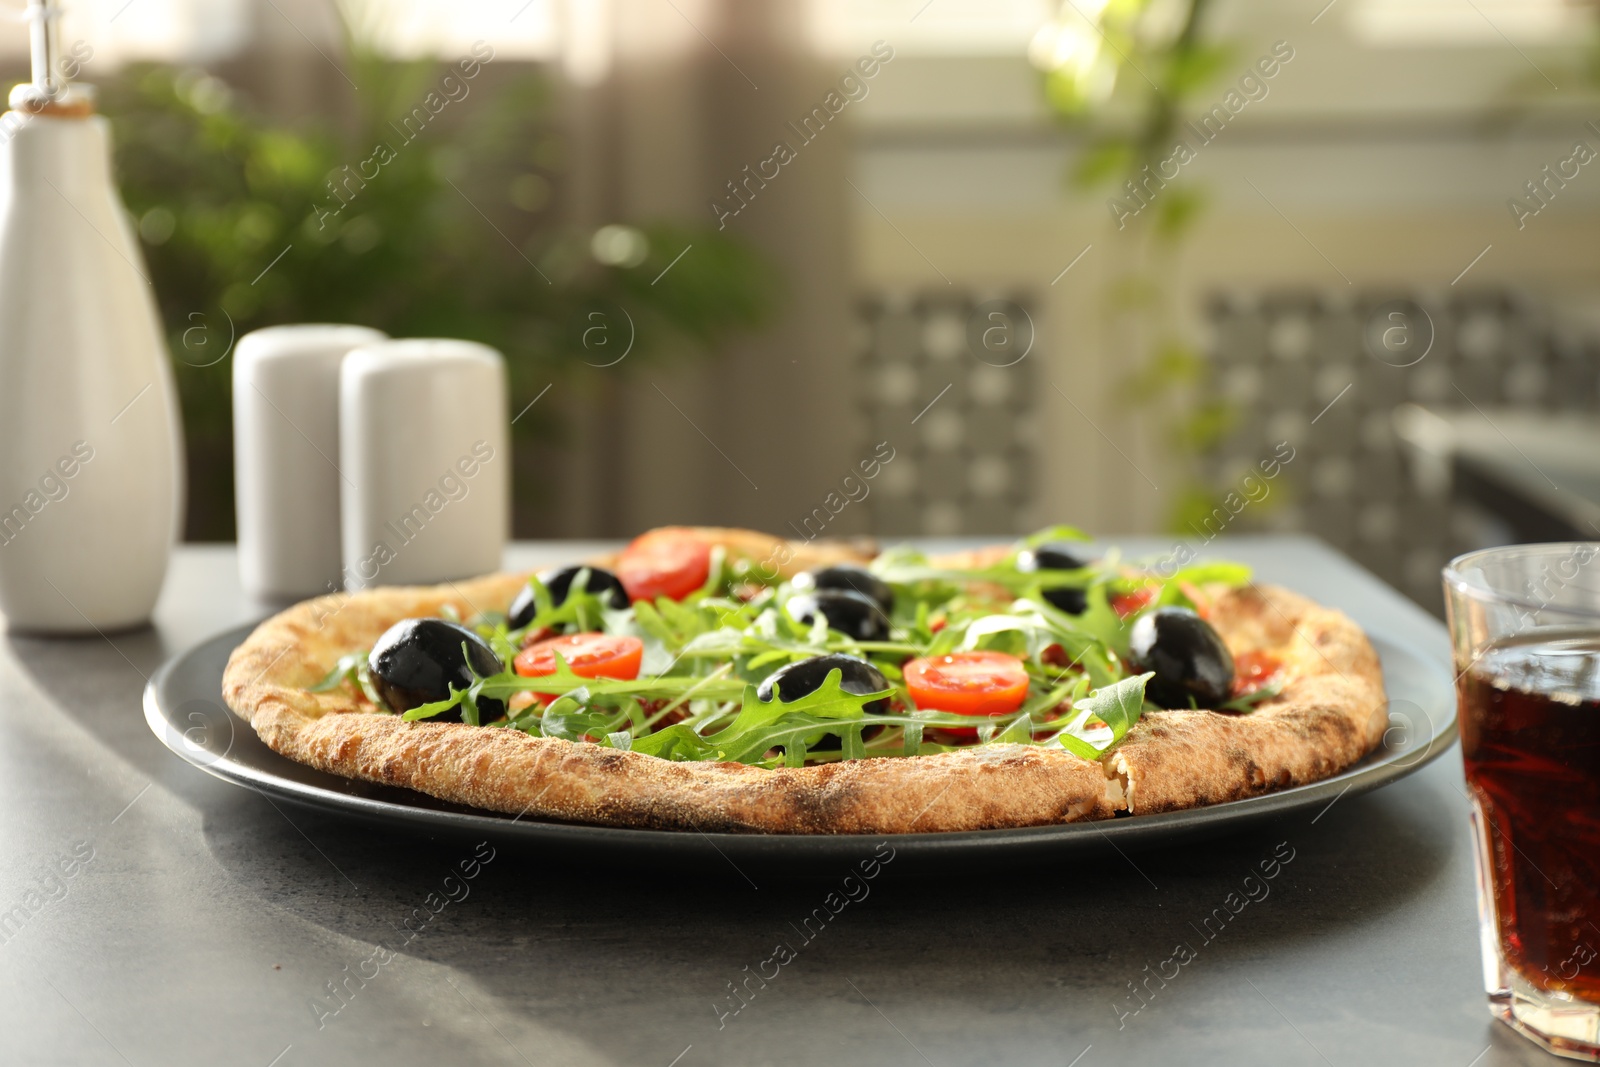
x=967 y=683
x=669 y=562
x=589 y=656
x=1129 y=604
x=1254 y=670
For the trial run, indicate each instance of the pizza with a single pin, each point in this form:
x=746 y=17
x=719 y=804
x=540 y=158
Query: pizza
x=725 y=680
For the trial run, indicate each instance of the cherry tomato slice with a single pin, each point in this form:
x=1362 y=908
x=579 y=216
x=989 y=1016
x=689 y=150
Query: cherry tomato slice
x=668 y=562
x=967 y=683
x=1129 y=604
x=589 y=656
x=1253 y=671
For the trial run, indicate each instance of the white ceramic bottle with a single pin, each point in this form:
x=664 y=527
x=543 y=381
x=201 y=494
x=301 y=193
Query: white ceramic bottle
x=425 y=453
x=90 y=482
x=286 y=454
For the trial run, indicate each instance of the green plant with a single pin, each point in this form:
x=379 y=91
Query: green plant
x=1123 y=73
x=443 y=227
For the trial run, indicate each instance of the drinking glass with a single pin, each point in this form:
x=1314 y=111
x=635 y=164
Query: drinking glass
x=1525 y=630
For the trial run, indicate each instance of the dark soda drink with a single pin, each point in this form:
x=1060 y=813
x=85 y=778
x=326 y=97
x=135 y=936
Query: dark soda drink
x=1530 y=739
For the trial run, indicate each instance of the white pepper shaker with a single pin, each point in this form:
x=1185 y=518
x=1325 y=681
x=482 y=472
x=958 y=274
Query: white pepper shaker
x=424 y=445
x=286 y=456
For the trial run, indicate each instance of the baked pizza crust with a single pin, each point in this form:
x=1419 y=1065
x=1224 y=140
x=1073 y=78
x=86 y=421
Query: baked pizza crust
x=1331 y=712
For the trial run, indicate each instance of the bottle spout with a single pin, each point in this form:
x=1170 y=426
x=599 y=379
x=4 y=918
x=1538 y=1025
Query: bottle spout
x=44 y=45
x=50 y=91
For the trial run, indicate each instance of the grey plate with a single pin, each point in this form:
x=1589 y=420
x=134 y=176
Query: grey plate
x=184 y=708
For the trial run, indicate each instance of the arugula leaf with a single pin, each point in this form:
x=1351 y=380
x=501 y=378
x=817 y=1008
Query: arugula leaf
x=1031 y=634
x=507 y=684
x=668 y=629
x=1175 y=591
x=1054 y=533
x=912 y=735
x=1203 y=573
x=1118 y=706
x=1101 y=621
x=798 y=730
x=352 y=668
x=364 y=680
x=719 y=575
x=1019 y=731
x=438 y=707
x=1247 y=702
x=760 y=723
x=1042 y=703
x=651 y=623
x=571 y=719
x=466 y=699
x=828 y=700
x=1037 y=625
x=582 y=609
x=896 y=556
x=343 y=671
x=676 y=742
x=908 y=567
x=469 y=710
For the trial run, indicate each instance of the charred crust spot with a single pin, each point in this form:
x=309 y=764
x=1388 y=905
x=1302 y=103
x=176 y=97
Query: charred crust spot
x=823 y=804
x=1253 y=774
x=608 y=761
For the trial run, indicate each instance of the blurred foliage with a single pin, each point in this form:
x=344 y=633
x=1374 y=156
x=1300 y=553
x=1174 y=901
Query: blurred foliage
x=1552 y=81
x=448 y=230
x=1125 y=73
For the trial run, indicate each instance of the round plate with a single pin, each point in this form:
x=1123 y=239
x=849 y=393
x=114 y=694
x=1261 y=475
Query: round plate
x=183 y=705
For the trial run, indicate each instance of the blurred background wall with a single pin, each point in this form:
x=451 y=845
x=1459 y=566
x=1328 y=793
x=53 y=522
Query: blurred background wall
x=932 y=271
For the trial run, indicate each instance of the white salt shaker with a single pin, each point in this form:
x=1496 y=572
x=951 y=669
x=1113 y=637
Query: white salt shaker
x=286 y=456
x=424 y=446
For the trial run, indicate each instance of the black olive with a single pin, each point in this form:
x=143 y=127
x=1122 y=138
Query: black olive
x=807 y=675
x=1188 y=657
x=559 y=582
x=416 y=661
x=846 y=610
x=1056 y=556
x=847 y=576
x=1066 y=598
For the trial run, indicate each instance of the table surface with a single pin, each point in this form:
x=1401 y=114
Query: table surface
x=201 y=923
x=1545 y=461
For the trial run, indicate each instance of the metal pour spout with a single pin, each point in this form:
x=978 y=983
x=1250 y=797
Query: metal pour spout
x=44 y=17
x=49 y=91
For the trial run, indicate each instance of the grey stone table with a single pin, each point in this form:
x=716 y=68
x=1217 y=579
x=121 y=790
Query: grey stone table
x=152 y=915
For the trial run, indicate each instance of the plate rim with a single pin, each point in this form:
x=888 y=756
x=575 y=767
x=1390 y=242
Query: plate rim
x=1363 y=777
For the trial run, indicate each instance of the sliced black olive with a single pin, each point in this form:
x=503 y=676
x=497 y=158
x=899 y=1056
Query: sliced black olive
x=847 y=576
x=417 y=661
x=559 y=582
x=1187 y=655
x=807 y=675
x=846 y=610
x=1056 y=556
